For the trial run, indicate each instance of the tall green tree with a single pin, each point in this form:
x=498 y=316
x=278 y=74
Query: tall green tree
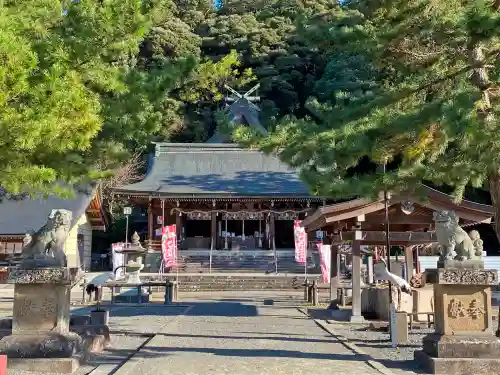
x=412 y=85
x=65 y=65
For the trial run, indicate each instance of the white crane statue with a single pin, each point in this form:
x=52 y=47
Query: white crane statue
x=399 y=283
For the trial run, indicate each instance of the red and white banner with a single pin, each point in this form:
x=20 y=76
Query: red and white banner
x=325 y=255
x=300 y=242
x=169 y=246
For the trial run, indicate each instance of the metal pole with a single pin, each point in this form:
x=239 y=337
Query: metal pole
x=260 y=233
x=163 y=213
x=305 y=265
x=387 y=242
x=225 y=237
x=211 y=248
x=126 y=232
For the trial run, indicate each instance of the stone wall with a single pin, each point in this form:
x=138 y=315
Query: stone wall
x=79 y=243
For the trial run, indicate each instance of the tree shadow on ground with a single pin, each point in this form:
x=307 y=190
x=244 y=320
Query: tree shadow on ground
x=209 y=308
x=153 y=351
x=326 y=339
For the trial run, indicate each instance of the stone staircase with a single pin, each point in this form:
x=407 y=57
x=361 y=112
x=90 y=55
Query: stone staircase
x=233 y=282
x=258 y=262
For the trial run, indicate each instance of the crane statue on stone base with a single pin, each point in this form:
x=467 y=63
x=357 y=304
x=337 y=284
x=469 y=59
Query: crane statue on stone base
x=399 y=283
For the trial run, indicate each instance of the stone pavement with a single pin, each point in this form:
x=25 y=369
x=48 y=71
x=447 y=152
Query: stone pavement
x=230 y=336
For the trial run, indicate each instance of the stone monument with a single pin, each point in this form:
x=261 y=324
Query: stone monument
x=463 y=342
x=134 y=256
x=41 y=340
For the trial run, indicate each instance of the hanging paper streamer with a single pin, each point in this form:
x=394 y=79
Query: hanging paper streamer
x=300 y=242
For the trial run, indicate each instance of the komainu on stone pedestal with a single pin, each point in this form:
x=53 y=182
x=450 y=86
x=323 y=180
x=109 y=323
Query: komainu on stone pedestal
x=463 y=342
x=46 y=247
x=41 y=340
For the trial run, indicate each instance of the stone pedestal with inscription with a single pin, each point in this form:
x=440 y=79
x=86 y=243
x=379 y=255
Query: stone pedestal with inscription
x=463 y=342
x=41 y=340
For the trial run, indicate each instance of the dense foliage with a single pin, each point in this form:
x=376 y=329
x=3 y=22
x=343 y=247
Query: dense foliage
x=85 y=84
x=65 y=67
x=410 y=85
x=361 y=96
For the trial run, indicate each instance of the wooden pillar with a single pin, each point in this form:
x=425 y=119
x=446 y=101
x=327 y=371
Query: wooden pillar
x=409 y=262
x=356 y=316
x=272 y=232
x=416 y=260
x=369 y=265
x=214 y=230
x=150 y=221
x=334 y=276
x=178 y=226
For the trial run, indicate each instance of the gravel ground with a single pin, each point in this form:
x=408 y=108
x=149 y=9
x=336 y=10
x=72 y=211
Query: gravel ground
x=377 y=344
x=244 y=336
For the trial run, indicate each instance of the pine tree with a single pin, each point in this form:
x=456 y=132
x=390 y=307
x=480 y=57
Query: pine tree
x=412 y=85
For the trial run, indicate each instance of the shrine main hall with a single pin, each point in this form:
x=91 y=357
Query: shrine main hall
x=221 y=197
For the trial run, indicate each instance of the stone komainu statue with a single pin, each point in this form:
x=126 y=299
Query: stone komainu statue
x=46 y=247
x=455 y=243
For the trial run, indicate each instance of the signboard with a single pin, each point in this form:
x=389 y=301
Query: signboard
x=319 y=235
x=169 y=245
x=300 y=242
x=118 y=259
x=325 y=255
x=127 y=211
x=159 y=220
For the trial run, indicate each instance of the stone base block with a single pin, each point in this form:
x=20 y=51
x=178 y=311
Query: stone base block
x=43 y=345
x=95 y=338
x=458 y=366
x=357 y=319
x=473 y=346
x=461 y=264
x=44 y=365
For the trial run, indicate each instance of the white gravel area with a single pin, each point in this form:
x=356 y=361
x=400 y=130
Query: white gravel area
x=377 y=344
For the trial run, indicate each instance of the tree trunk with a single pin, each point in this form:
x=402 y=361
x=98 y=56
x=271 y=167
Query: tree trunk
x=495 y=197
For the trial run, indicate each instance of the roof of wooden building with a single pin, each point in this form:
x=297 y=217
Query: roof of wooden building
x=21 y=216
x=184 y=170
x=241 y=112
x=370 y=214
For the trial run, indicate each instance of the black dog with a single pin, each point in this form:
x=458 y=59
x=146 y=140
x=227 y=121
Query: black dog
x=91 y=288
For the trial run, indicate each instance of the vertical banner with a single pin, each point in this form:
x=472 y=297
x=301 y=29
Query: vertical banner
x=300 y=242
x=324 y=256
x=118 y=259
x=169 y=246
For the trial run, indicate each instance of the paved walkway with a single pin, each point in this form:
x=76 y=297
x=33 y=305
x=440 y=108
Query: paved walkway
x=243 y=337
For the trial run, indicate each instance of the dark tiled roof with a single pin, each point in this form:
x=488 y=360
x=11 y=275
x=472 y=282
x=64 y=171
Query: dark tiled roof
x=184 y=170
x=17 y=217
x=241 y=112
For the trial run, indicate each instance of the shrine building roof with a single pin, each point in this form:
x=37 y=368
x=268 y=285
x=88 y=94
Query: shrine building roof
x=24 y=215
x=186 y=170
